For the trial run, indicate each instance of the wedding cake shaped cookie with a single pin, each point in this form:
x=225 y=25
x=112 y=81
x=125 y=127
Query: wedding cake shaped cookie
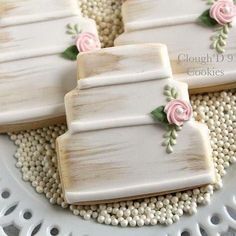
x=200 y=36
x=131 y=132
x=33 y=73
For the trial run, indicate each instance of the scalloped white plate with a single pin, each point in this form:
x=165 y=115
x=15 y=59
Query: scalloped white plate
x=23 y=208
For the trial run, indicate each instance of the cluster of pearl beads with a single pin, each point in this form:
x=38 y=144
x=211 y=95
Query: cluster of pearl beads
x=36 y=158
x=107 y=14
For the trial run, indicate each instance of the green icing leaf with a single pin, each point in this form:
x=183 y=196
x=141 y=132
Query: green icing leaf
x=160 y=115
x=207 y=20
x=71 y=53
x=219 y=41
x=210 y=2
x=69 y=26
x=169 y=149
x=170 y=93
x=170 y=138
x=167 y=93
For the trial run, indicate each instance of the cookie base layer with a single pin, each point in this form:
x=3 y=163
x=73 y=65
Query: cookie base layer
x=135 y=197
x=129 y=162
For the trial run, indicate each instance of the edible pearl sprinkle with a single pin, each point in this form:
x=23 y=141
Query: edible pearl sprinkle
x=36 y=155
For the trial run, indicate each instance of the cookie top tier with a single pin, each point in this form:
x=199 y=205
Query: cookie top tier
x=144 y=14
x=119 y=83
x=123 y=64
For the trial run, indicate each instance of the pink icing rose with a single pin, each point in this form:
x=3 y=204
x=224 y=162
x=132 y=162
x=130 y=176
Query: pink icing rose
x=223 y=11
x=87 y=42
x=178 y=111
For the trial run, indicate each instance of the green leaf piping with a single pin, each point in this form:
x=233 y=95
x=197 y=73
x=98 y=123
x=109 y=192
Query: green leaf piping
x=210 y=2
x=71 y=53
x=160 y=115
x=171 y=133
x=219 y=40
x=73 y=30
x=170 y=138
x=206 y=19
x=170 y=93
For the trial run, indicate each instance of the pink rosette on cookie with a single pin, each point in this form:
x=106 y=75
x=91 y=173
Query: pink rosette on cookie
x=223 y=11
x=178 y=112
x=87 y=42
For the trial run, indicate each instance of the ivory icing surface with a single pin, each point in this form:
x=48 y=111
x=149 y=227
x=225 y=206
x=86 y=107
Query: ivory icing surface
x=23 y=11
x=40 y=38
x=148 y=21
x=34 y=77
x=113 y=148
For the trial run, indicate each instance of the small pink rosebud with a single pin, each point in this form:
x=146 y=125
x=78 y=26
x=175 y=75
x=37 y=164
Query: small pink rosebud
x=223 y=11
x=178 y=112
x=87 y=42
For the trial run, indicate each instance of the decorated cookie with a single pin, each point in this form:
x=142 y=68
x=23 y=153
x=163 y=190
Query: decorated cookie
x=38 y=42
x=200 y=35
x=131 y=132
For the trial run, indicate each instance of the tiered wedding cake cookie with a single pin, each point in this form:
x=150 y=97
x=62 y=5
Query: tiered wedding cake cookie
x=131 y=132
x=200 y=36
x=34 y=74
